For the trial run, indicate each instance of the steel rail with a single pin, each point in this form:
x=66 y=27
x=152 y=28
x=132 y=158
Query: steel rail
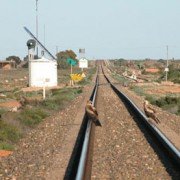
x=77 y=163
x=168 y=145
x=82 y=163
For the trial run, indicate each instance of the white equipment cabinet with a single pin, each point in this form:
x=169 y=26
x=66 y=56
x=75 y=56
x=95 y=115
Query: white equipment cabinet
x=42 y=72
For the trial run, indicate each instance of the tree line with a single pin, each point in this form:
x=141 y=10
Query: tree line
x=62 y=57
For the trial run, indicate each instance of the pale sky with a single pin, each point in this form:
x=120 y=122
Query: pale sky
x=105 y=28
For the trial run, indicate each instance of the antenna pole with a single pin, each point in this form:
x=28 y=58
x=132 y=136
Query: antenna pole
x=37 y=25
x=167 y=55
x=44 y=34
x=56 y=50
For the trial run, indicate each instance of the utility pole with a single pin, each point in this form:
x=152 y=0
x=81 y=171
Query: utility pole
x=167 y=69
x=56 y=50
x=37 y=25
x=44 y=35
x=167 y=56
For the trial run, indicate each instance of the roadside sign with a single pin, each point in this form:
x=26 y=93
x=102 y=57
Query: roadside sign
x=76 y=77
x=83 y=75
x=83 y=63
x=71 y=61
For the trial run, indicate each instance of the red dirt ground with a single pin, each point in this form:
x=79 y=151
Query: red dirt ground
x=160 y=89
x=10 y=104
x=4 y=153
x=164 y=90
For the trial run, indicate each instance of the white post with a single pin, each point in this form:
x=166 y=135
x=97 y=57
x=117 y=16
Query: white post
x=166 y=69
x=71 y=81
x=71 y=68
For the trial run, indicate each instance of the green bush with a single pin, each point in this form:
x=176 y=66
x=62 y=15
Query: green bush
x=32 y=117
x=171 y=100
x=2 y=111
x=174 y=74
x=167 y=100
x=60 y=97
x=66 y=92
x=138 y=90
x=50 y=104
x=169 y=103
x=160 y=102
x=9 y=133
x=178 y=112
x=151 y=99
x=84 y=82
x=6 y=146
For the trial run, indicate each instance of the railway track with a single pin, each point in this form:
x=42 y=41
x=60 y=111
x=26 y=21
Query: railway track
x=81 y=159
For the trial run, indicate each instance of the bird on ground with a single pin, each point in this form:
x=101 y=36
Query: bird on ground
x=92 y=113
x=150 y=112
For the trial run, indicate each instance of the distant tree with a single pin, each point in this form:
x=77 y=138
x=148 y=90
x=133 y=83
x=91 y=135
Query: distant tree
x=121 y=59
x=71 y=54
x=161 y=61
x=26 y=57
x=119 y=62
x=14 y=58
x=62 y=58
x=140 y=65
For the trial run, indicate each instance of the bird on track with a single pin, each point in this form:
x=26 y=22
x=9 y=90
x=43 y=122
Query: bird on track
x=92 y=113
x=150 y=112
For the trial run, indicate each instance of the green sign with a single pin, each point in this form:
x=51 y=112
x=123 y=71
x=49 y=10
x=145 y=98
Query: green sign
x=71 y=61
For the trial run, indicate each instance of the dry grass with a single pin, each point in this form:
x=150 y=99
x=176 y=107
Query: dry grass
x=12 y=128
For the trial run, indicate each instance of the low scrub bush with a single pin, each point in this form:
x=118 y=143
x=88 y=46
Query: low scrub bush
x=167 y=100
x=6 y=146
x=151 y=99
x=169 y=103
x=174 y=74
x=9 y=133
x=2 y=111
x=50 y=104
x=121 y=78
x=60 y=97
x=138 y=90
x=32 y=117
